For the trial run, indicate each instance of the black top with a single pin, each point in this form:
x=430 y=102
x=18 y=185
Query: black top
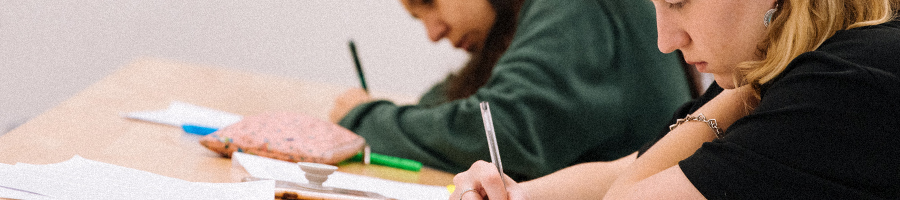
x=827 y=128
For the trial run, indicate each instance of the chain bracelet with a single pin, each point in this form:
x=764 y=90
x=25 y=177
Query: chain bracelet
x=700 y=118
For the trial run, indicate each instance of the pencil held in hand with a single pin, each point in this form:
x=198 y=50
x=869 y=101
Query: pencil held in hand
x=491 y=138
x=362 y=78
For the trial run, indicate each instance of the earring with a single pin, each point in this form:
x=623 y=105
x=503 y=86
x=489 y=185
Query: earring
x=769 y=14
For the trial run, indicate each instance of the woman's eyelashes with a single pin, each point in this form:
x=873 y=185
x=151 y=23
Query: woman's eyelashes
x=676 y=4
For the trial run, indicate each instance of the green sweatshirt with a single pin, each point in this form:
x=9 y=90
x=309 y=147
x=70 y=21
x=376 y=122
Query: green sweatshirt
x=583 y=80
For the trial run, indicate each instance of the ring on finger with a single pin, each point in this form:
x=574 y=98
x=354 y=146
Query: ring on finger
x=464 y=193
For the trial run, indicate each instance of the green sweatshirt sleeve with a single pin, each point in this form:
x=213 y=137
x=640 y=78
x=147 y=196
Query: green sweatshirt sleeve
x=581 y=81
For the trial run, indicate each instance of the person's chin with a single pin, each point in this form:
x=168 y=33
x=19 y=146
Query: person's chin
x=724 y=82
x=468 y=47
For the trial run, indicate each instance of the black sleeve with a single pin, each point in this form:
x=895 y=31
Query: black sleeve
x=826 y=129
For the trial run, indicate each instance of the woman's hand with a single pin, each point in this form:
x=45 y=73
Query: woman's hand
x=346 y=102
x=483 y=180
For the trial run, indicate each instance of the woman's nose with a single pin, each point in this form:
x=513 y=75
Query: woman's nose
x=435 y=27
x=670 y=35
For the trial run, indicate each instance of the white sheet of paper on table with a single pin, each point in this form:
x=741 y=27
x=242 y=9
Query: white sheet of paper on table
x=267 y=168
x=80 y=178
x=5 y=192
x=180 y=113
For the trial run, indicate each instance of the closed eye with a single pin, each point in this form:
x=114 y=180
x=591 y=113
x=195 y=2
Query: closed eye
x=676 y=5
x=421 y=2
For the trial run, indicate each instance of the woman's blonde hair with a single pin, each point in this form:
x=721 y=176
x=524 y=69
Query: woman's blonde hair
x=800 y=26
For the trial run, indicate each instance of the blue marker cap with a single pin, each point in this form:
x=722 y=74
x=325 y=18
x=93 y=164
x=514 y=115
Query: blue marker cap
x=199 y=130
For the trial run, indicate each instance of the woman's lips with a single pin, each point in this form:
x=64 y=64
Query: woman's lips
x=464 y=44
x=701 y=66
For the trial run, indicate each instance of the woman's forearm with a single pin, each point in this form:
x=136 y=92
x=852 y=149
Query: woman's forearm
x=726 y=108
x=582 y=181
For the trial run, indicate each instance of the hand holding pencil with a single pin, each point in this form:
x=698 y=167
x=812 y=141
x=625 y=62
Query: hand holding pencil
x=486 y=179
x=353 y=97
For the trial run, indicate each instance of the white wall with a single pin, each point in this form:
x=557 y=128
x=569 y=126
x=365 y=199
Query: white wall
x=50 y=50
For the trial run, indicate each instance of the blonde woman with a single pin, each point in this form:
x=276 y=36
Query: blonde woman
x=810 y=110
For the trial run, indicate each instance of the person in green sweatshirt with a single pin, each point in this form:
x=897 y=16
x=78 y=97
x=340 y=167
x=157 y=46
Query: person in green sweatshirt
x=567 y=81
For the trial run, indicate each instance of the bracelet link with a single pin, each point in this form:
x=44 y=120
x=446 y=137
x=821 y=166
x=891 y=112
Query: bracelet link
x=700 y=118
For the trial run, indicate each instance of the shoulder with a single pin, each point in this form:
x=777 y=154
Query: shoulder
x=871 y=47
x=552 y=12
x=844 y=95
x=864 y=58
x=533 y=6
x=590 y=22
x=544 y=9
x=852 y=79
x=573 y=25
x=599 y=5
x=555 y=32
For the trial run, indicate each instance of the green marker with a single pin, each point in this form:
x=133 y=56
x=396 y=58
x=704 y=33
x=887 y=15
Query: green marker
x=390 y=161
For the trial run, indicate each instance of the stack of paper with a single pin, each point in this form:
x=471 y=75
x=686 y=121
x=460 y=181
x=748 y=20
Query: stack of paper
x=267 y=168
x=80 y=178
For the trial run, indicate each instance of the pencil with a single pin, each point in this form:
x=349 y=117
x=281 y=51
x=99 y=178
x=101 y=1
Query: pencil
x=491 y=138
x=362 y=78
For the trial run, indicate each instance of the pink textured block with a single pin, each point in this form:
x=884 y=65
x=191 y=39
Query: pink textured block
x=286 y=136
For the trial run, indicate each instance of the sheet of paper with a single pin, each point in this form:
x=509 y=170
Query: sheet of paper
x=13 y=193
x=181 y=113
x=19 y=194
x=80 y=178
x=267 y=168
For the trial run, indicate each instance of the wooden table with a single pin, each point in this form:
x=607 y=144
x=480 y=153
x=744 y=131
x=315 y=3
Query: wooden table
x=91 y=125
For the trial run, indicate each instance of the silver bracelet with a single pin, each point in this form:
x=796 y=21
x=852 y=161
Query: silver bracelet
x=700 y=118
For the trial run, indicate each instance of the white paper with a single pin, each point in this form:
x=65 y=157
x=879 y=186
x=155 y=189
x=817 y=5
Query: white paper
x=181 y=113
x=267 y=168
x=80 y=178
x=19 y=194
x=13 y=193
